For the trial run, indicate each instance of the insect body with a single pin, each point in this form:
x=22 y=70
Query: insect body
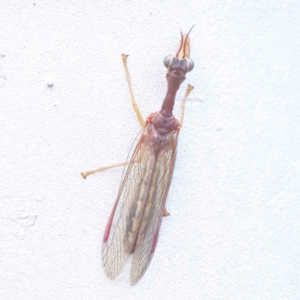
x=134 y=224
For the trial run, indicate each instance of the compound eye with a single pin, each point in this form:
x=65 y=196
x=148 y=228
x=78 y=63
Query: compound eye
x=167 y=61
x=190 y=64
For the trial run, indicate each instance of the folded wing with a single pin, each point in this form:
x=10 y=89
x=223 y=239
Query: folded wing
x=135 y=220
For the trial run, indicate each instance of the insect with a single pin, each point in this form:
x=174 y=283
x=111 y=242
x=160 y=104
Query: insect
x=134 y=223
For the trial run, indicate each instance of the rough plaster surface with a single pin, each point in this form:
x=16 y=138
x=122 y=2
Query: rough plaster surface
x=234 y=229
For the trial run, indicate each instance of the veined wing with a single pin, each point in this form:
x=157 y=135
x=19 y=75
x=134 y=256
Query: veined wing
x=123 y=223
x=150 y=223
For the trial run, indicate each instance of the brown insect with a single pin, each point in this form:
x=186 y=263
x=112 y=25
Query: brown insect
x=134 y=223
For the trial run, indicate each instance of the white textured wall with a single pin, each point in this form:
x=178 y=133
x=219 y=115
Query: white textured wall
x=234 y=229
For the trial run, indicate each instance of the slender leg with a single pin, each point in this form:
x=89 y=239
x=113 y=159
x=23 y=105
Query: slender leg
x=134 y=104
x=138 y=114
x=86 y=174
x=189 y=89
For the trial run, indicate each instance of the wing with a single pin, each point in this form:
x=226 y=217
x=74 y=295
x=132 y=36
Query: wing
x=123 y=224
x=150 y=223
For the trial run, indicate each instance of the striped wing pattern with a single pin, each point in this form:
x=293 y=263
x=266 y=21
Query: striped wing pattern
x=136 y=216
